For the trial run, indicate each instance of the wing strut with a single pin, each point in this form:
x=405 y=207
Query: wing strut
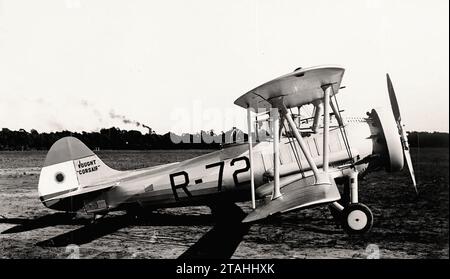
x=326 y=126
x=276 y=152
x=250 y=154
x=278 y=96
x=318 y=110
x=319 y=178
x=302 y=192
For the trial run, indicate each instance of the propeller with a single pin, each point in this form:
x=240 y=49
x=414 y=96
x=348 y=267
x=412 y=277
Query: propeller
x=401 y=130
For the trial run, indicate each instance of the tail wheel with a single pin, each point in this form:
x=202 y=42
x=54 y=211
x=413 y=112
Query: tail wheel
x=357 y=219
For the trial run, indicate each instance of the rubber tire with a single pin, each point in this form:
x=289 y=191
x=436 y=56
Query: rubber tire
x=351 y=208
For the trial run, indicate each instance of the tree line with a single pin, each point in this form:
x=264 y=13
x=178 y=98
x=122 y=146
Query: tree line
x=425 y=139
x=115 y=138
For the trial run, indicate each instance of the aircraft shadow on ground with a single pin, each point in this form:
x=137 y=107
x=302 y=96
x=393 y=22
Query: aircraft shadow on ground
x=55 y=219
x=88 y=233
x=219 y=242
x=223 y=239
x=111 y=224
x=25 y=224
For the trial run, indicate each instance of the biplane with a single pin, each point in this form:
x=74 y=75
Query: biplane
x=289 y=161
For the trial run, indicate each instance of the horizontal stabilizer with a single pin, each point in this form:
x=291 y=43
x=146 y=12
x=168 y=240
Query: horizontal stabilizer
x=82 y=191
x=296 y=195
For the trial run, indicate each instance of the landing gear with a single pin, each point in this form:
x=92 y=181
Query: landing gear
x=354 y=217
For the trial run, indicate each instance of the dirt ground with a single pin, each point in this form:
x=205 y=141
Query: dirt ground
x=405 y=225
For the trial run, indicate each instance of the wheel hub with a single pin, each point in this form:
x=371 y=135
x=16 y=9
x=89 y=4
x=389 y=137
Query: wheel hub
x=357 y=220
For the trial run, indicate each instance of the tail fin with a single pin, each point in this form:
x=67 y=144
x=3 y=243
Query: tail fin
x=69 y=166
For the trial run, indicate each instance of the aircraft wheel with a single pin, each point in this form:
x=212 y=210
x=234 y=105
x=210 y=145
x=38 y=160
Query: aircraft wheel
x=357 y=219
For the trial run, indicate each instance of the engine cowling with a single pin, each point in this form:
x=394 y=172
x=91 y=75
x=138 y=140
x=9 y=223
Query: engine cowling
x=389 y=145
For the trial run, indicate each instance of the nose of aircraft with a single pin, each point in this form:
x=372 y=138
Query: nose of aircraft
x=390 y=147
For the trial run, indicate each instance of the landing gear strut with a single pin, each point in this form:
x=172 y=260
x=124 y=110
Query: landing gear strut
x=354 y=217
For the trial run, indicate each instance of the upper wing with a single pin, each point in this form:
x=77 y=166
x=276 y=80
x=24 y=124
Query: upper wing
x=297 y=88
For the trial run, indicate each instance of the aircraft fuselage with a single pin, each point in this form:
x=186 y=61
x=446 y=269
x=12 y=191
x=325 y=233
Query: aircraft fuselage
x=225 y=172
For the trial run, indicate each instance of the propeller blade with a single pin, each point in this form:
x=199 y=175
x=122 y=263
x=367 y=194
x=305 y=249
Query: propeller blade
x=393 y=99
x=411 y=169
x=407 y=154
x=401 y=131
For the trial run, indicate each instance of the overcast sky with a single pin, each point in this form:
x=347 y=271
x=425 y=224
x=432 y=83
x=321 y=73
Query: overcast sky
x=179 y=65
